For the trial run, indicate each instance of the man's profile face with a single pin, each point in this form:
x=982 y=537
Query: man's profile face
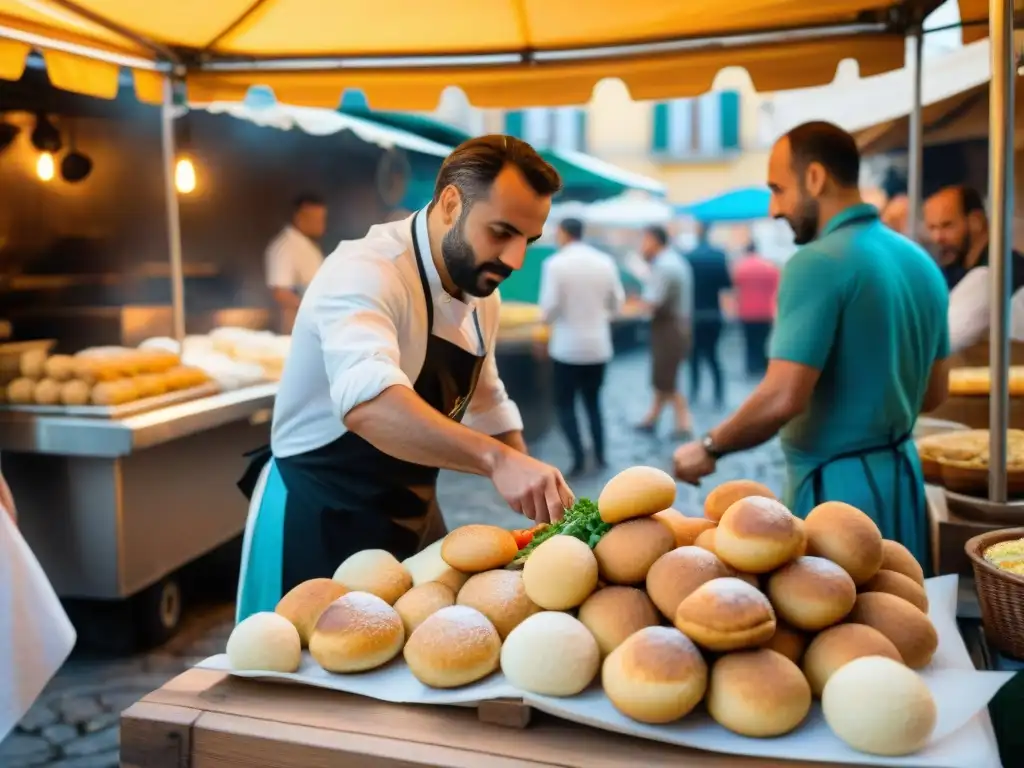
x=311 y=220
x=791 y=199
x=487 y=240
x=948 y=228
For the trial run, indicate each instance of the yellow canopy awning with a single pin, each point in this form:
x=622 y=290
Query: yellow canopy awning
x=404 y=53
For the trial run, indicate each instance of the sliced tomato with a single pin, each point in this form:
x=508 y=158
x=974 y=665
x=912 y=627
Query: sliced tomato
x=523 y=537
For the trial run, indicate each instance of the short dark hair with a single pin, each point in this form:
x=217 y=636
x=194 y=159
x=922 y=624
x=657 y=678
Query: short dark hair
x=971 y=200
x=573 y=228
x=473 y=166
x=659 y=234
x=306 y=198
x=828 y=144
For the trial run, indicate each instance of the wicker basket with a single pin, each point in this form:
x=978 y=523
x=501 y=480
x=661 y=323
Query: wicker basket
x=1000 y=594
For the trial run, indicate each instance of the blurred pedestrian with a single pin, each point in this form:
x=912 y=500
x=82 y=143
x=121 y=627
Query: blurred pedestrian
x=581 y=292
x=757 y=285
x=710 y=280
x=895 y=214
x=294 y=256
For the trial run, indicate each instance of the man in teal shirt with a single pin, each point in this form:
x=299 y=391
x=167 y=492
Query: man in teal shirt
x=858 y=351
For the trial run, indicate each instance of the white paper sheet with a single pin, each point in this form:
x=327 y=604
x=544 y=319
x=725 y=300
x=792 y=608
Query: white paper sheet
x=963 y=736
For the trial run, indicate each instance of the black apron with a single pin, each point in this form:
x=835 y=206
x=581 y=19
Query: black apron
x=348 y=496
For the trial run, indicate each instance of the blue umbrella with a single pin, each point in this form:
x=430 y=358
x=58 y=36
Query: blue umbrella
x=737 y=205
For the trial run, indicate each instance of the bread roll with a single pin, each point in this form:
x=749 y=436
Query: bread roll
x=46 y=392
x=657 y=675
x=758 y=535
x=726 y=615
x=478 y=548
x=501 y=597
x=896 y=557
x=305 y=602
x=33 y=364
x=264 y=642
x=878 y=706
x=150 y=385
x=899 y=585
x=420 y=602
x=812 y=593
x=847 y=537
x=428 y=565
x=706 y=540
x=614 y=613
x=684 y=529
x=790 y=642
x=455 y=646
x=758 y=693
x=636 y=492
x=909 y=630
x=727 y=494
x=356 y=633
x=116 y=392
x=374 y=571
x=59 y=367
x=551 y=654
x=21 y=391
x=676 y=574
x=838 y=646
x=75 y=392
x=626 y=553
x=560 y=573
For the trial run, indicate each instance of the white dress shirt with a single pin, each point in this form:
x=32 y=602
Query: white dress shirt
x=670 y=279
x=362 y=328
x=292 y=260
x=580 y=294
x=969 y=303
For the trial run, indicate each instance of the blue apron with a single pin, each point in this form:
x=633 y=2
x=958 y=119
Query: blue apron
x=309 y=512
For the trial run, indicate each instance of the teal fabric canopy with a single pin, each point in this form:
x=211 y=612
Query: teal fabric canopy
x=746 y=204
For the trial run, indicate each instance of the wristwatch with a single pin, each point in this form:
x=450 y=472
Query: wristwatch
x=708 y=443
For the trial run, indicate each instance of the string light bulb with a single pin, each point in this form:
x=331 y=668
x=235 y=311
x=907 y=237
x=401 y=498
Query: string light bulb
x=185 y=176
x=45 y=166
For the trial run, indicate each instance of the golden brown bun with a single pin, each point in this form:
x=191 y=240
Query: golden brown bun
x=453 y=647
x=614 y=613
x=33 y=365
x=75 y=392
x=758 y=693
x=790 y=642
x=676 y=574
x=501 y=597
x=726 y=615
x=46 y=392
x=478 y=548
x=847 y=537
x=812 y=593
x=150 y=385
x=684 y=529
x=117 y=392
x=656 y=676
x=420 y=602
x=839 y=645
x=758 y=535
x=560 y=573
x=899 y=585
x=428 y=565
x=626 y=553
x=356 y=633
x=21 y=391
x=304 y=604
x=896 y=557
x=751 y=578
x=706 y=540
x=727 y=494
x=375 y=571
x=636 y=492
x=910 y=631
x=59 y=367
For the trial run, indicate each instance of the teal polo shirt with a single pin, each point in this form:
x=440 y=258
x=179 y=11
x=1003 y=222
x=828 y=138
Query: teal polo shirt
x=868 y=308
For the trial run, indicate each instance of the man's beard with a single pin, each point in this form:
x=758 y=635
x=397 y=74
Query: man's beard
x=460 y=261
x=805 y=223
x=956 y=254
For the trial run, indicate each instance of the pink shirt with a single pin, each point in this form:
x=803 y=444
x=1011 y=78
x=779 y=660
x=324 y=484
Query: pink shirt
x=756 y=282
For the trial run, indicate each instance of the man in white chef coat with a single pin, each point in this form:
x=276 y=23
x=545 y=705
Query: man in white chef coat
x=393 y=348
x=294 y=256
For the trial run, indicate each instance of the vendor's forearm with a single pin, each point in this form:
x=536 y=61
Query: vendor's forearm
x=399 y=423
x=757 y=421
x=513 y=440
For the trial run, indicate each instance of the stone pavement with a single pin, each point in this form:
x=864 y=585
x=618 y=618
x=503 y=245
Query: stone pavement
x=74 y=723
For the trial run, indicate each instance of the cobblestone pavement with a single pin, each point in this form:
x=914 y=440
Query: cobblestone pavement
x=75 y=722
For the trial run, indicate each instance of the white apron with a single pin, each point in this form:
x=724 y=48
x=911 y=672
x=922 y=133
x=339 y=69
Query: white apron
x=36 y=635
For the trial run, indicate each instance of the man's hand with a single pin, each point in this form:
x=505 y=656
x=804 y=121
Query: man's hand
x=693 y=462
x=532 y=488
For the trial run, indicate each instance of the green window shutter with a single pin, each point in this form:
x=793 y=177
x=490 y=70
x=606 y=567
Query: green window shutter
x=581 y=129
x=514 y=123
x=660 y=126
x=729 y=119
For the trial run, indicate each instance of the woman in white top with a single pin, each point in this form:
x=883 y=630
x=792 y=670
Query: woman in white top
x=393 y=347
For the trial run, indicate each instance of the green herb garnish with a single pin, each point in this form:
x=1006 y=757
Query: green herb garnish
x=583 y=522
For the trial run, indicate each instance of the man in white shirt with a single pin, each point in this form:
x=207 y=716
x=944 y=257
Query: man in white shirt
x=958 y=227
x=393 y=346
x=294 y=256
x=580 y=294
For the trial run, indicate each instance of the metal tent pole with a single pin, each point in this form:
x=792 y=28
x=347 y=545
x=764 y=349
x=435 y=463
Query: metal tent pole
x=1000 y=169
x=173 y=218
x=915 y=144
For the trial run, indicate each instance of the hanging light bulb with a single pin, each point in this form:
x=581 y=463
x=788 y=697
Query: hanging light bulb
x=185 y=176
x=45 y=166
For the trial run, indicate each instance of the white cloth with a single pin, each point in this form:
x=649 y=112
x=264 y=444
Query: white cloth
x=580 y=294
x=969 y=304
x=362 y=328
x=671 y=278
x=36 y=635
x=292 y=259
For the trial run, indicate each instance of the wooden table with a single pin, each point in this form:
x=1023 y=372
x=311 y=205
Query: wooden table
x=205 y=719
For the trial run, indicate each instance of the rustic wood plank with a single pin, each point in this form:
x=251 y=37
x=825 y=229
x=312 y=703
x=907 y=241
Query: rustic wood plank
x=509 y=713
x=157 y=735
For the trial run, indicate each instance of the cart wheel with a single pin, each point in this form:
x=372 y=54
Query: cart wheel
x=158 y=612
